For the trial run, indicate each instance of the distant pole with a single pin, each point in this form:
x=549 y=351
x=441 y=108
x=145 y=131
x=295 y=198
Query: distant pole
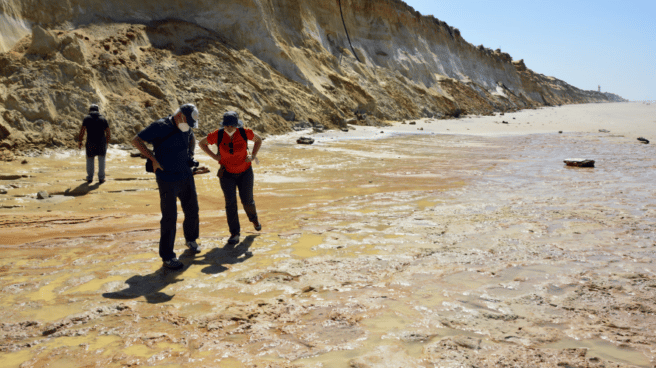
x=599 y=88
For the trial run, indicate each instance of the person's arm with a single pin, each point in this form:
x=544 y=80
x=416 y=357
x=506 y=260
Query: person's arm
x=80 y=137
x=192 y=143
x=203 y=145
x=257 y=143
x=108 y=134
x=139 y=144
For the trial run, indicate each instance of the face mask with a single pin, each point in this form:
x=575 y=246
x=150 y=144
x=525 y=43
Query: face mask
x=184 y=127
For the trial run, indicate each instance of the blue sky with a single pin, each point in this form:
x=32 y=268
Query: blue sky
x=585 y=43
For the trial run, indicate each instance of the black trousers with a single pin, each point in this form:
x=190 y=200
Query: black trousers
x=229 y=184
x=169 y=192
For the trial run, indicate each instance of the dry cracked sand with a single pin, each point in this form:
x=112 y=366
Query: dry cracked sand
x=408 y=250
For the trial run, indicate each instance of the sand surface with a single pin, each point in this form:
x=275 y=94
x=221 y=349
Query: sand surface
x=631 y=120
x=466 y=244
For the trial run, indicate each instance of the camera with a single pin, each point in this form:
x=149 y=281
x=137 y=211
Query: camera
x=192 y=163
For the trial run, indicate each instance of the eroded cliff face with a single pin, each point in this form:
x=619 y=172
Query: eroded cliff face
x=277 y=62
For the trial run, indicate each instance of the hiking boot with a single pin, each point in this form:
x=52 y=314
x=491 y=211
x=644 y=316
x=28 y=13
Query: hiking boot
x=101 y=181
x=193 y=246
x=234 y=239
x=173 y=264
x=89 y=181
x=257 y=225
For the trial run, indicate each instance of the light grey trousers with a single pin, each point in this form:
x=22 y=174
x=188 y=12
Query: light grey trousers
x=101 y=168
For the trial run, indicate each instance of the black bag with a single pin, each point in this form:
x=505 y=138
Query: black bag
x=149 y=165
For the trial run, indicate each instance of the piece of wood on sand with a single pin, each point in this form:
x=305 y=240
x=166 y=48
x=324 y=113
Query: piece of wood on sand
x=579 y=162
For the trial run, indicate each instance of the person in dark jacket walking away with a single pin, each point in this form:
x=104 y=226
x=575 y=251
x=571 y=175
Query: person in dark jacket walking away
x=173 y=141
x=236 y=171
x=98 y=135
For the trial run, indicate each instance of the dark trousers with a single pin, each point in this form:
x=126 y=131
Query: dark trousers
x=169 y=191
x=229 y=184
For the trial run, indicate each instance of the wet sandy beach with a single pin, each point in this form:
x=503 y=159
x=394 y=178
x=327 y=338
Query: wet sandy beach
x=448 y=248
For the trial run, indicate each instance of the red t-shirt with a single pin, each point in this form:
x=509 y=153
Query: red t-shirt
x=234 y=162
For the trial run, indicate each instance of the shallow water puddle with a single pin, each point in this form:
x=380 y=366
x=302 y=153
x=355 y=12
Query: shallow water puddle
x=603 y=349
x=305 y=246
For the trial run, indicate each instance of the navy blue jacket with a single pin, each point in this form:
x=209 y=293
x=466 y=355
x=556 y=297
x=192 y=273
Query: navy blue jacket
x=172 y=153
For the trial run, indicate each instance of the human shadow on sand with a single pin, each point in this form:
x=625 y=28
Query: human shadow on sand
x=229 y=254
x=82 y=189
x=150 y=286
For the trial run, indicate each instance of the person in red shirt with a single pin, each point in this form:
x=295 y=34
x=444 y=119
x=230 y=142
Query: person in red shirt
x=236 y=171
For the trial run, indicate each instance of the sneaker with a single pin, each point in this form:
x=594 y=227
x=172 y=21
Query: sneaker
x=173 y=264
x=89 y=181
x=193 y=246
x=257 y=225
x=101 y=181
x=234 y=239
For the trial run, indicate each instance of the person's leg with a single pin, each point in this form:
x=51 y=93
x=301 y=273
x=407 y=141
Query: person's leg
x=101 y=168
x=189 y=203
x=245 y=185
x=168 y=205
x=229 y=187
x=90 y=168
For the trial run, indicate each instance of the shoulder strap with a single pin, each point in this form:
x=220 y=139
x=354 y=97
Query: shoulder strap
x=242 y=131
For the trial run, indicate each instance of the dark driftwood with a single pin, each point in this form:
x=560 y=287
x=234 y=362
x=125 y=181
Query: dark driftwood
x=579 y=162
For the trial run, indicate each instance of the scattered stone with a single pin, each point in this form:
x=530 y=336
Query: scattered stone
x=412 y=123
x=42 y=195
x=24 y=162
x=560 y=131
x=305 y=140
x=3 y=191
x=504 y=122
x=287 y=115
x=420 y=128
x=6 y=155
x=404 y=122
x=44 y=42
x=643 y=140
x=12 y=177
x=344 y=129
x=302 y=126
x=579 y=162
x=152 y=88
x=136 y=154
x=604 y=131
x=307 y=289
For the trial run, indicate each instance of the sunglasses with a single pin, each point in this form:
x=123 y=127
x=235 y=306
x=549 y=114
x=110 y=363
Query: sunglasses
x=229 y=146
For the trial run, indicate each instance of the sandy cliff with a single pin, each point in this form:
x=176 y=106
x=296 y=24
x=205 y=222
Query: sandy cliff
x=276 y=62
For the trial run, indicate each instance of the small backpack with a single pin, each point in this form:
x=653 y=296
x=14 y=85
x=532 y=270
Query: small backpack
x=242 y=132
